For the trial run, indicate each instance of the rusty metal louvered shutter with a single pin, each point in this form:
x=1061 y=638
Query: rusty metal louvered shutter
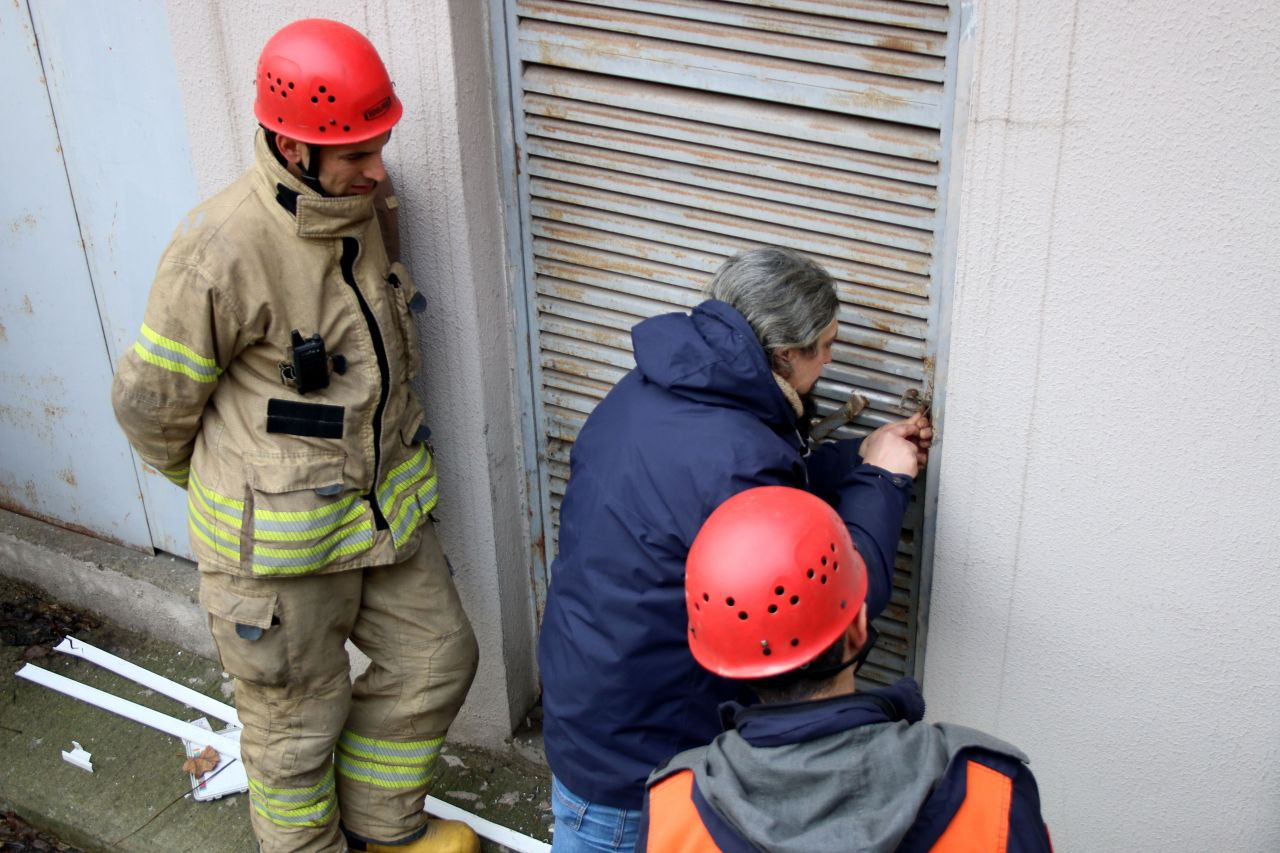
x=659 y=137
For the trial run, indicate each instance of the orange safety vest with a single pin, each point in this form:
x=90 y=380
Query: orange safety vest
x=980 y=824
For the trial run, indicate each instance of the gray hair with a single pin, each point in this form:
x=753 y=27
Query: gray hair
x=787 y=298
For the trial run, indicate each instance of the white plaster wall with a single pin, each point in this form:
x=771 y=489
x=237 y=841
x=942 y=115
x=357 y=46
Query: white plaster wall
x=444 y=161
x=1106 y=587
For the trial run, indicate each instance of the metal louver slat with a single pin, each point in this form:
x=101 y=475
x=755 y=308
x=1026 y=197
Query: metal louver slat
x=823 y=26
x=889 y=150
x=794 y=161
x=659 y=137
x=847 y=275
x=618 y=18
x=889 y=12
x=736 y=215
x=740 y=174
x=860 y=307
x=793 y=82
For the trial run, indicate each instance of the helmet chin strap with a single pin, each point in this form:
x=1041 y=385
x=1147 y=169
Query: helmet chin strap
x=310 y=170
x=856 y=661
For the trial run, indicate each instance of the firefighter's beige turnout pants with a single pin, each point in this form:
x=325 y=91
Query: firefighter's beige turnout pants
x=316 y=747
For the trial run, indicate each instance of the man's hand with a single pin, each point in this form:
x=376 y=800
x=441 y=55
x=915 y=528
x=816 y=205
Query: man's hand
x=901 y=447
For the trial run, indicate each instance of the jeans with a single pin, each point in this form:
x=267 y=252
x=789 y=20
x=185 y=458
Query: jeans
x=584 y=826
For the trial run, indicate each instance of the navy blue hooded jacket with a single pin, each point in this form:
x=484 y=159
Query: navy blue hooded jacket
x=699 y=419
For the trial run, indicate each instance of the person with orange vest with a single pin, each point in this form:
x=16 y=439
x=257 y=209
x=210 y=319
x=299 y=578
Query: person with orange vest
x=775 y=593
x=272 y=380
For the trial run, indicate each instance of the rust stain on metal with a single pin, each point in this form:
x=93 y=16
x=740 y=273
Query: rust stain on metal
x=8 y=504
x=24 y=221
x=27 y=307
x=906 y=45
x=538 y=548
x=67 y=476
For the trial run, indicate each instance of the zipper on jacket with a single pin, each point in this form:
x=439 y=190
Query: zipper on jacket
x=350 y=251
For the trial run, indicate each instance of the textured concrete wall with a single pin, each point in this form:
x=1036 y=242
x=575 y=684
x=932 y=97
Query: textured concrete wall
x=1107 y=576
x=444 y=162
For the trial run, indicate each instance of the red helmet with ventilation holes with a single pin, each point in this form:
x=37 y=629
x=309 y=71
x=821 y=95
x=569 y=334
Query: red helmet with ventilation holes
x=772 y=580
x=322 y=82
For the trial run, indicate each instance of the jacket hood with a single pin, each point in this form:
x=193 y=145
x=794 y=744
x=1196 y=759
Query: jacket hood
x=850 y=773
x=711 y=355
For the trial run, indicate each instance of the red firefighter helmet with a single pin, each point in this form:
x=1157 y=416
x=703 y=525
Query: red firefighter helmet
x=321 y=82
x=772 y=580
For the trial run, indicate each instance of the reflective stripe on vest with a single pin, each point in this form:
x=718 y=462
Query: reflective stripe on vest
x=982 y=821
x=674 y=823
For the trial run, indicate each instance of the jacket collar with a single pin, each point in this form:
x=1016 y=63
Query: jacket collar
x=796 y=722
x=312 y=215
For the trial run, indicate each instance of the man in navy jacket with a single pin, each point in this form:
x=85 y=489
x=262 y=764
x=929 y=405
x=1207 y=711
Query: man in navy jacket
x=713 y=407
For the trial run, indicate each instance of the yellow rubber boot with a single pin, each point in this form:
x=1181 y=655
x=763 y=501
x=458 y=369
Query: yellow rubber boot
x=441 y=836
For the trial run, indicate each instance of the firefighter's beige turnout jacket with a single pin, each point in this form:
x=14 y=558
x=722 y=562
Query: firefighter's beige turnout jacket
x=279 y=482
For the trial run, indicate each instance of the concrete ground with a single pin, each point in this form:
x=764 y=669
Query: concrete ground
x=143 y=609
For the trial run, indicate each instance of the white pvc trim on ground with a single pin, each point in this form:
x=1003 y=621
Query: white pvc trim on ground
x=147 y=678
x=509 y=838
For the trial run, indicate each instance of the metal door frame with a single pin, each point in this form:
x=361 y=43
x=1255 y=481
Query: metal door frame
x=504 y=24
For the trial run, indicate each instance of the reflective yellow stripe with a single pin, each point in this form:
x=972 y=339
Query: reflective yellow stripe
x=206 y=535
x=176 y=475
x=276 y=526
x=311 y=806
x=416 y=497
x=214 y=505
x=389 y=751
x=294 y=561
x=387 y=764
x=154 y=348
x=413 y=510
x=203 y=519
x=401 y=476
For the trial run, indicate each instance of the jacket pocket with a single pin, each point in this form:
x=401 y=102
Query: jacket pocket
x=251 y=644
x=303 y=518
x=407 y=301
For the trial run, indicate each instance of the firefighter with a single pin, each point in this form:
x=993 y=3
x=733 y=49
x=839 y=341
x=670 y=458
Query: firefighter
x=776 y=597
x=271 y=379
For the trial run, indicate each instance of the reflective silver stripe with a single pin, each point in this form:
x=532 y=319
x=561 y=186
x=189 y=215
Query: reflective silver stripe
x=405 y=472
x=166 y=353
x=283 y=561
x=306 y=524
x=382 y=775
x=389 y=751
x=311 y=806
x=416 y=506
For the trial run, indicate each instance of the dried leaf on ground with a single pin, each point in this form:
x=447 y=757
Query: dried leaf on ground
x=202 y=763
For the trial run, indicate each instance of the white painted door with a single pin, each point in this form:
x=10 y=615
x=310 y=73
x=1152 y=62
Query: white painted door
x=105 y=175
